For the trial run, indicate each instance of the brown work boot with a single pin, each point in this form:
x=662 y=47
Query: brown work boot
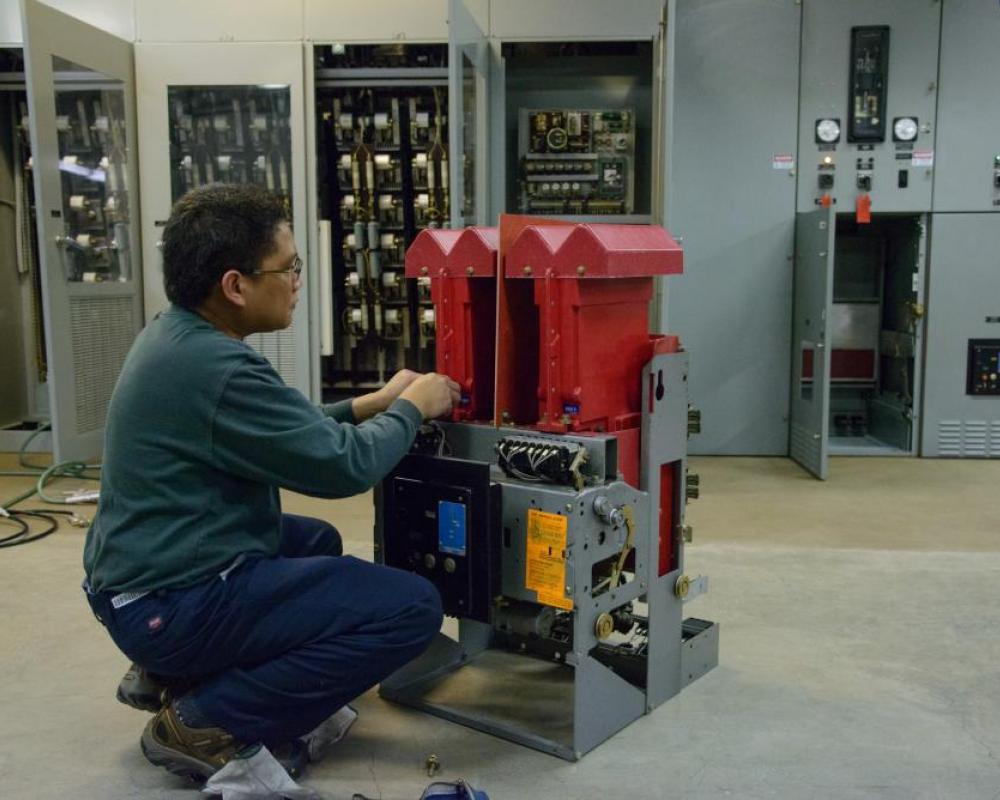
x=194 y=753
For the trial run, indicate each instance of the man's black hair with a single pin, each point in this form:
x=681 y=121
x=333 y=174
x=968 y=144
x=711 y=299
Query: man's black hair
x=216 y=228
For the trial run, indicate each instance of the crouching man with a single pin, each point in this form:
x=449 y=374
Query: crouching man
x=252 y=620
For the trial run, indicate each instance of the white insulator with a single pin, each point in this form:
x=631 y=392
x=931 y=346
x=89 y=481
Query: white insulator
x=221 y=122
x=388 y=241
x=111 y=204
x=102 y=124
x=77 y=202
x=186 y=162
x=383 y=161
x=426 y=282
x=262 y=162
x=70 y=160
x=351 y=241
x=224 y=162
x=423 y=200
x=353 y=279
x=382 y=121
x=423 y=119
x=346 y=121
x=389 y=280
x=83 y=239
x=392 y=316
x=104 y=162
x=357 y=316
x=420 y=159
x=348 y=201
x=427 y=316
x=62 y=123
x=259 y=122
x=385 y=202
x=345 y=161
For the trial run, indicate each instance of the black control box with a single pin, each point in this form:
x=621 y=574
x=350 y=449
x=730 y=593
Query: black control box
x=983 y=377
x=440 y=517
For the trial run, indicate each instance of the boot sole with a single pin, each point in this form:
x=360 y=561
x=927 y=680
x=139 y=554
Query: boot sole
x=174 y=761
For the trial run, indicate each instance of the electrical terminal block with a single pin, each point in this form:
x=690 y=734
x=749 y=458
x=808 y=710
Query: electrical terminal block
x=530 y=458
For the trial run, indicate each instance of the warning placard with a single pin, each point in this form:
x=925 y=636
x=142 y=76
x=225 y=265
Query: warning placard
x=545 y=570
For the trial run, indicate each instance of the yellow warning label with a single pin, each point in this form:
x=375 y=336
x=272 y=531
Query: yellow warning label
x=545 y=570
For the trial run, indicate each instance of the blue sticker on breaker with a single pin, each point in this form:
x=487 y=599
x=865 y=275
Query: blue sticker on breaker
x=451 y=528
x=571 y=408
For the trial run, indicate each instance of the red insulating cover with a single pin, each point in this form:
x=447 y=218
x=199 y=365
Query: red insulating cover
x=462 y=267
x=593 y=284
x=595 y=251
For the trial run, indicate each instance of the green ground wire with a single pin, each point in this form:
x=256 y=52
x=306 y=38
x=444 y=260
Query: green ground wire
x=46 y=474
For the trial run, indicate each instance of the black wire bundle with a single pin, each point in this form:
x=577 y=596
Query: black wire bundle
x=23 y=534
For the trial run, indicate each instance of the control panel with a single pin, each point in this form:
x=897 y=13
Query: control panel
x=576 y=161
x=983 y=376
x=868 y=107
x=441 y=520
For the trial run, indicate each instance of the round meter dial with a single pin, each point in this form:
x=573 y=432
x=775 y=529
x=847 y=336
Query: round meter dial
x=904 y=129
x=828 y=130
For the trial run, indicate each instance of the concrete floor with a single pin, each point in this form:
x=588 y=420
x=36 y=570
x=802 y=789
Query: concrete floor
x=860 y=658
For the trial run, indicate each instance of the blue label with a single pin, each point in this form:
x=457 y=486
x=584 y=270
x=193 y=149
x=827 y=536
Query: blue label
x=570 y=408
x=464 y=400
x=451 y=528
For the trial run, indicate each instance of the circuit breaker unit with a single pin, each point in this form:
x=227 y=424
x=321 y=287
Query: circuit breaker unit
x=577 y=161
x=383 y=165
x=559 y=547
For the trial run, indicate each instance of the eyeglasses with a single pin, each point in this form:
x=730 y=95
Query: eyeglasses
x=296 y=268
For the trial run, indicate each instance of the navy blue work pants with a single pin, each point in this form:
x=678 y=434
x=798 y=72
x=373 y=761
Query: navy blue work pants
x=281 y=643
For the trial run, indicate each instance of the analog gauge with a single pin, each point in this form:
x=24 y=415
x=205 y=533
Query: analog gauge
x=828 y=130
x=904 y=129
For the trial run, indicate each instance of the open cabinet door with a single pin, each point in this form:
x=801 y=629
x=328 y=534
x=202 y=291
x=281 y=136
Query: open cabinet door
x=468 y=104
x=814 y=257
x=81 y=101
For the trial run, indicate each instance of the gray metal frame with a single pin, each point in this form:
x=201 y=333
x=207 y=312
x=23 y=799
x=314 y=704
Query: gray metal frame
x=81 y=370
x=579 y=702
x=467 y=39
x=810 y=411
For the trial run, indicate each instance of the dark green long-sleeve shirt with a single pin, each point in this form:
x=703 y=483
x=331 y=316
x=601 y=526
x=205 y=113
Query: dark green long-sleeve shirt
x=201 y=433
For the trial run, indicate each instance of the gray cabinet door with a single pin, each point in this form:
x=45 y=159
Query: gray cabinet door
x=81 y=100
x=963 y=303
x=968 y=148
x=468 y=109
x=810 y=425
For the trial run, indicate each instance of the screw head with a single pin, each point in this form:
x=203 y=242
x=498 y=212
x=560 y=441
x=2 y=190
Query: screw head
x=424 y=271
x=581 y=270
x=527 y=270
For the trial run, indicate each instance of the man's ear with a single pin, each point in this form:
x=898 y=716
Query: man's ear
x=232 y=285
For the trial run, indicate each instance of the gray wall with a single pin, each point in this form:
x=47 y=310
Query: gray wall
x=736 y=84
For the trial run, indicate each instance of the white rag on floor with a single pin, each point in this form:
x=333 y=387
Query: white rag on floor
x=261 y=777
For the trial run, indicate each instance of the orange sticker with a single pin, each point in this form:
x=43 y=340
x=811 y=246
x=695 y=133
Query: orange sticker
x=545 y=567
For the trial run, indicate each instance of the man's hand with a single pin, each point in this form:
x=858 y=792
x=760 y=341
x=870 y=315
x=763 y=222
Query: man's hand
x=434 y=395
x=395 y=387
